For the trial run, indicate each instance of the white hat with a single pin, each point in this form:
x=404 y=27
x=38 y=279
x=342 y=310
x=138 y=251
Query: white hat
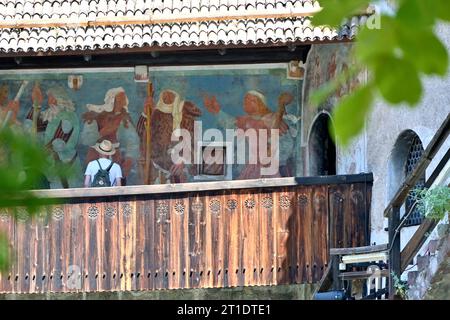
x=110 y=97
x=106 y=147
x=259 y=95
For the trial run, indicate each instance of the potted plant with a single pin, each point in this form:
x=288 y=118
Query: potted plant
x=434 y=203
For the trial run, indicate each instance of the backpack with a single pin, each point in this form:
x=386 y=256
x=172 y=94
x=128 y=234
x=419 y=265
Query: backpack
x=101 y=178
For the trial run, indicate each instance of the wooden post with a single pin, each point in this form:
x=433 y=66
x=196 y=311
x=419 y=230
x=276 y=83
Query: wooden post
x=394 y=244
x=36 y=107
x=335 y=271
x=9 y=114
x=148 y=141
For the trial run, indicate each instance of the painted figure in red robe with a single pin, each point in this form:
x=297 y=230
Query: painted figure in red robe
x=170 y=112
x=111 y=121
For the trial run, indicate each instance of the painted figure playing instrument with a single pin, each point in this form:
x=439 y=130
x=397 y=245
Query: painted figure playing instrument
x=57 y=126
x=258 y=116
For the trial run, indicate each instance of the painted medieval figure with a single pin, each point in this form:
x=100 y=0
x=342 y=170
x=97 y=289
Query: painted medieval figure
x=111 y=121
x=9 y=109
x=58 y=127
x=259 y=116
x=5 y=104
x=170 y=113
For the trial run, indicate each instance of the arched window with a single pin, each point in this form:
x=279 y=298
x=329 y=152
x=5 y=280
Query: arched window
x=405 y=156
x=414 y=155
x=322 y=150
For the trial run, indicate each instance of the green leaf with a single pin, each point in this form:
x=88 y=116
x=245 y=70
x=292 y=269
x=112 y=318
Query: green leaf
x=416 y=13
x=442 y=8
x=350 y=114
x=398 y=80
x=335 y=11
x=373 y=43
x=433 y=203
x=4 y=253
x=425 y=50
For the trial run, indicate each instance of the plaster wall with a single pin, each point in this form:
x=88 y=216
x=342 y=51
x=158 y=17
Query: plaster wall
x=385 y=125
x=372 y=150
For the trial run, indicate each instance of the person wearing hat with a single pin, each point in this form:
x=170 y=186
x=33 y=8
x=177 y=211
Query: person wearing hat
x=112 y=121
x=106 y=149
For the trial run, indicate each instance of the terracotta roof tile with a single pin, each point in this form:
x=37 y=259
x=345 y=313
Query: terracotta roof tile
x=205 y=31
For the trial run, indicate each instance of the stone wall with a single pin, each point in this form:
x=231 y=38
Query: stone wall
x=282 y=292
x=431 y=280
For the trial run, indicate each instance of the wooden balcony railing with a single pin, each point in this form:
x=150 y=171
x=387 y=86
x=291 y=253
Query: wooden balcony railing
x=399 y=260
x=339 y=281
x=217 y=234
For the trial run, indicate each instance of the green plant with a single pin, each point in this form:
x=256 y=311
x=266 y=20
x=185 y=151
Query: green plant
x=398 y=51
x=401 y=287
x=434 y=203
x=4 y=253
x=23 y=161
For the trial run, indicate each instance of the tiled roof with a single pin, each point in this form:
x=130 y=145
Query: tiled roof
x=56 y=25
x=46 y=9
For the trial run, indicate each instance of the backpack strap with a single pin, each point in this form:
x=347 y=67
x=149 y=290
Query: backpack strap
x=99 y=164
x=110 y=166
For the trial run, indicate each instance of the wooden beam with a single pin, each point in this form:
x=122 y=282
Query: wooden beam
x=437 y=171
x=199 y=187
x=353 y=275
x=420 y=236
x=428 y=155
x=416 y=242
x=154 y=19
x=169 y=56
x=365 y=257
x=148 y=134
x=326 y=281
x=336 y=283
x=394 y=254
x=358 y=250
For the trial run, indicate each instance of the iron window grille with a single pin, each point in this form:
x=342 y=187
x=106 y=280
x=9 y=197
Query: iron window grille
x=414 y=155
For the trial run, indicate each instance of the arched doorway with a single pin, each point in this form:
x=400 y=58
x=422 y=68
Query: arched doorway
x=322 y=150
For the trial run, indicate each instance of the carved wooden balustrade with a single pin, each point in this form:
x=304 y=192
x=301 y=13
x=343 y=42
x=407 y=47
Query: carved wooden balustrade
x=198 y=235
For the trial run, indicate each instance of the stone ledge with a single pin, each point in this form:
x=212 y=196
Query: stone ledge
x=433 y=278
x=282 y=292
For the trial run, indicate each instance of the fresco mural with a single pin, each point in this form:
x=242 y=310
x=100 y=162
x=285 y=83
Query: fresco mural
x=324 y=63
x=69 y=111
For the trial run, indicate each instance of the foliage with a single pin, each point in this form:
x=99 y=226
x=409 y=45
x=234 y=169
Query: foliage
x=397 y=55
x=433 y=203
x=4 y=253
x=401 y=287
x=23 y=162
